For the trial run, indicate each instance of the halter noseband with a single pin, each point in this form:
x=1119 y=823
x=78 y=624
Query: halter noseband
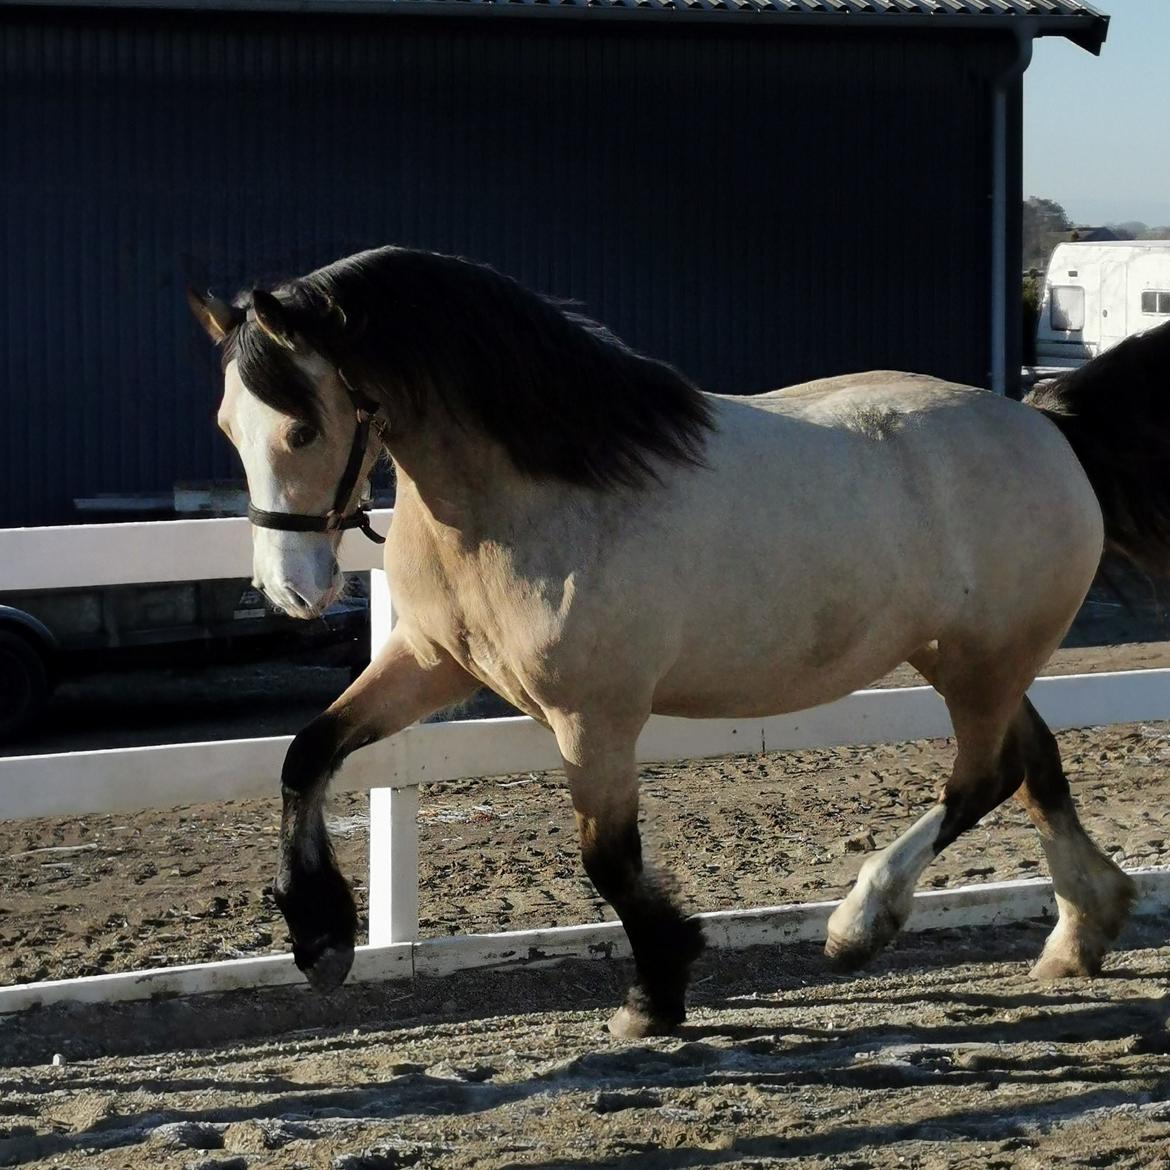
x=336 y=519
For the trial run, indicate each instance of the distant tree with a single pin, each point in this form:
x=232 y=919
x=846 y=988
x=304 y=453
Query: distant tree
x=1045 y=221
x=1134 y=229
x=1033 y=294
x=1131 y=229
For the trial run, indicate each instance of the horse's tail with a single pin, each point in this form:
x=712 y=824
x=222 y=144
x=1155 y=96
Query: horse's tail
x=1115 y=413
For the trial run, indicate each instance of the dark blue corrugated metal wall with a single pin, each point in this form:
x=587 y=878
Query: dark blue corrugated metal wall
x=761 y=207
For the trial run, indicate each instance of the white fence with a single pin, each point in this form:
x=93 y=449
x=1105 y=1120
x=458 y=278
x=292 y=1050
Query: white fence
x=163 y=777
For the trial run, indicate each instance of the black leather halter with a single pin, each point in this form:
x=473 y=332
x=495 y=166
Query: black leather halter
x=336 y=519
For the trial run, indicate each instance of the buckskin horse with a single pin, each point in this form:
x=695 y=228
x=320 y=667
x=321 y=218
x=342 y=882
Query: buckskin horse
x=583 y=530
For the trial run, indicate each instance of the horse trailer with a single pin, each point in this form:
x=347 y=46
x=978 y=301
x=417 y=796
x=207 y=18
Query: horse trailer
x=1096 y=294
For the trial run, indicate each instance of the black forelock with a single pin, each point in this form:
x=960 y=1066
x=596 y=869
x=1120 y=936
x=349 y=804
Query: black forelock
x=420 y=331
x=269 y=371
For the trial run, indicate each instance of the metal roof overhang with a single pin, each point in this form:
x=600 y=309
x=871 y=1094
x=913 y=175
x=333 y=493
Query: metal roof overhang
x=1079 y=22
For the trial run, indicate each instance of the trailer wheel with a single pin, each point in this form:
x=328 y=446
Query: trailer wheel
x=24 y=682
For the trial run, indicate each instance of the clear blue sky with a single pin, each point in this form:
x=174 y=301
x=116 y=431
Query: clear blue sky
x=1097 y=129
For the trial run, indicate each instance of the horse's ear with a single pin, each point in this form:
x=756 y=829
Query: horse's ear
x=272 y=318
x=217 y=317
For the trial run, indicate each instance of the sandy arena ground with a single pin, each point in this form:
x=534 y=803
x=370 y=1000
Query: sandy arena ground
x=945 y=1054
x=940 y=1057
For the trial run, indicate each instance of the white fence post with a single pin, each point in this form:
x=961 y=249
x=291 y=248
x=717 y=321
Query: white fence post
x=381 y=611
x=393 y=865
x=393 y=819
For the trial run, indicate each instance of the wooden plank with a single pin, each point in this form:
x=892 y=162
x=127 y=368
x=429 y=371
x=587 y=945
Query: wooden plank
x=90 y=555
x=177 y=774
x=474 y=747
x=117 y=779
x=490 y=747
x=888 y=715
x=524 y=948
x=168 y=776
x=993 y=903
x=371 y=964
x=1098 y=700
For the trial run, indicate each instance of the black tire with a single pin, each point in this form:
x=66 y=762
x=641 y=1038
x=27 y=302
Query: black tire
x=24 y=682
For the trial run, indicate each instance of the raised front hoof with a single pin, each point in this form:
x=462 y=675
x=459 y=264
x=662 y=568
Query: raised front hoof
x=322 y=921
x=325 y=967
x=631 y=1023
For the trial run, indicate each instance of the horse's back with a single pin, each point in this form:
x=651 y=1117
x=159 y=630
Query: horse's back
x=911 y=438
x=844 y=523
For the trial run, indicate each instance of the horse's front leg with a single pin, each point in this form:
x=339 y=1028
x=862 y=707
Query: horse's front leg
x=603 y=780
x=391 y=693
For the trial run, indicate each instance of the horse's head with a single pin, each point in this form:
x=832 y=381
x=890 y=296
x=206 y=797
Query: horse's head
x=480 y=380
x=304 y=437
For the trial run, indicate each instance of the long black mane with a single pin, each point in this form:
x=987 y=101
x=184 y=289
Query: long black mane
x=1115 y=413
x=421 y=331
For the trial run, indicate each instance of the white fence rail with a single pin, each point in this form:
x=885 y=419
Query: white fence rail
x=175 y=774
x=89 y=555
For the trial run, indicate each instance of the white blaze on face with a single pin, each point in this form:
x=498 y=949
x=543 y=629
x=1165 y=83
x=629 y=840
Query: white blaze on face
x=296 y=570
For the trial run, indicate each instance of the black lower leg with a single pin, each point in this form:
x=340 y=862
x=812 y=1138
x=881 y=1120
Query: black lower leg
x=1093 y=894
x=967 y=799
x=1046 y=784
x=665 y=941
x=314 y=898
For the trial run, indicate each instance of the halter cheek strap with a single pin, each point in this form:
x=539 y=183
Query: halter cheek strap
x=336 y=519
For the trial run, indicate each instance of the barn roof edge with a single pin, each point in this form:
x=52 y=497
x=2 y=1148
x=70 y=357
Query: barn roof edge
x=1078 y=21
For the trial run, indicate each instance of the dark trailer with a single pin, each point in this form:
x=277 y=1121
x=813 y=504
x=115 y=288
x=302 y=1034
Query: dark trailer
x=762 y=191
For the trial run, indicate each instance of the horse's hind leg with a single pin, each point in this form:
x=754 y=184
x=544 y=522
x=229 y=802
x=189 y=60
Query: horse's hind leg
x=1093 y=896
x=391 y=693
x=988 y=768
x=603 y=781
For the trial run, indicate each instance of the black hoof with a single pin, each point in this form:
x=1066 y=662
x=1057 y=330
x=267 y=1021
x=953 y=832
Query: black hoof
x=655 y=1011
x=656 y=1003
x=631 y=1023
x=325 y=967
x=322 y=920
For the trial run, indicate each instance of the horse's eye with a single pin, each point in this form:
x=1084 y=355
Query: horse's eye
x=301 y=435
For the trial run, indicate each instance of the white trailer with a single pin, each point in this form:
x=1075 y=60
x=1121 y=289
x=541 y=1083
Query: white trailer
x=1097 y=293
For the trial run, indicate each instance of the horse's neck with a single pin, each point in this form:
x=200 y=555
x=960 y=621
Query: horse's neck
x=465 y=482
x=471 y=544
